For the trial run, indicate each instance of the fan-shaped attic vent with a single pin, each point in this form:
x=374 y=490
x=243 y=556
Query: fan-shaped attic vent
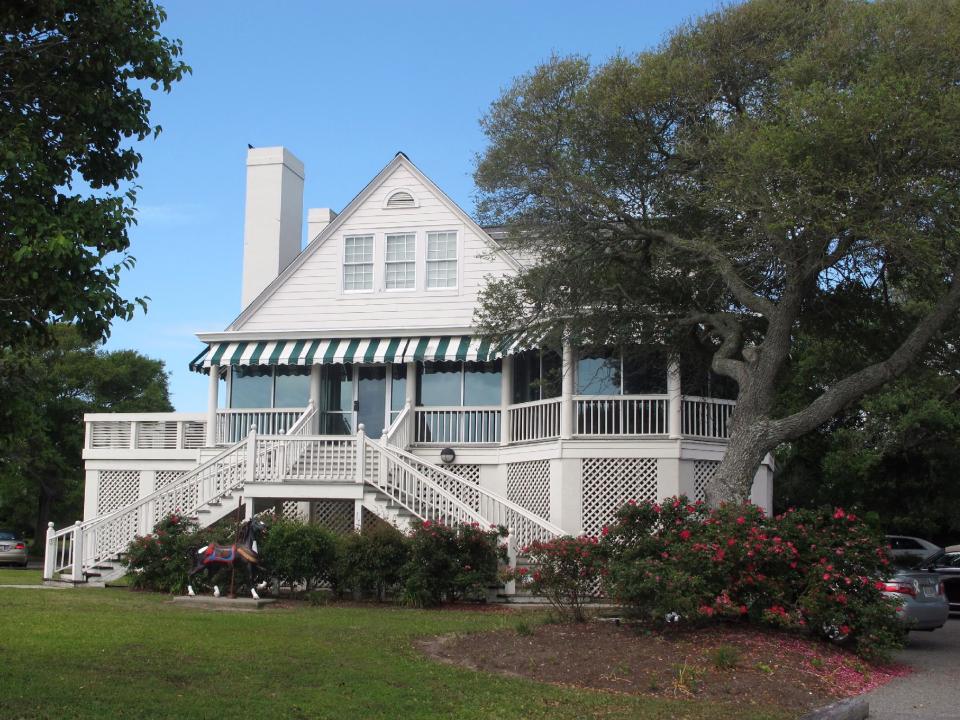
x=401 y=199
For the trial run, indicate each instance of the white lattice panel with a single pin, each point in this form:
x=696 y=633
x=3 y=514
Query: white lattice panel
x=290 y=509
x=608 y=483
x=470 y=473
x=528 y=485
x=165 y=477
x=335 y=515
x=370 y=520
x=117 y=488
x=703 y=472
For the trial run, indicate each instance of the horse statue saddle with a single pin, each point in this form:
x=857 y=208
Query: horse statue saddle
x=219 y=554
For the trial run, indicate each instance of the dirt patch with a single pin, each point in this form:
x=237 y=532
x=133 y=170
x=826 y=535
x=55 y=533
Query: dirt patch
x=741 y=666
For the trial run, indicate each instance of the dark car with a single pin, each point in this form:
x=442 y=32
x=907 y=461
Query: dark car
x=13 y=548
x=946 y=564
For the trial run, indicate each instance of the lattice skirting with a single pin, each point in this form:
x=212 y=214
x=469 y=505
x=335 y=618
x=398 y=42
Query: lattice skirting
x=703 y=472
x=335 y=515
x=607 y=485
x=470 y=473
x=117 y=488
x=528 y=485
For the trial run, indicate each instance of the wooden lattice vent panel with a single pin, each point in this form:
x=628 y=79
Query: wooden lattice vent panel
x=607 y=485
x=528 y=485
x=117 y=488
x=334 y=515
x=703 y=472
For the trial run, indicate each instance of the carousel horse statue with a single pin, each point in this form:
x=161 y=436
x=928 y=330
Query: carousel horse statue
x=213 y=557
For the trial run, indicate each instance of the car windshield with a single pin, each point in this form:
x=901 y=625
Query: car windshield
x=8 y=535
x=930 y=561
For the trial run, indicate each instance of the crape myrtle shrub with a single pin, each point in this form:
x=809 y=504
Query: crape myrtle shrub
x=370 y=563
x=451 y=562
x=565 y=570
x=160 y=561
x=298 y=553
x=810 y=570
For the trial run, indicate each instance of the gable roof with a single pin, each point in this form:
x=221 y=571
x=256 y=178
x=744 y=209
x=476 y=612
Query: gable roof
x=399 y=160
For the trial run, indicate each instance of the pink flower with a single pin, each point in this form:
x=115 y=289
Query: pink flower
x=605 y=531
x=844 y=629
x=741 y=520
x=826 y=576
x=839 y=514
x=684 y=534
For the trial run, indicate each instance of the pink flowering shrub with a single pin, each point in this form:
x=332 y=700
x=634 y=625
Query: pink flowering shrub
x=809 y=570
x=564 y=570
x=451 y=562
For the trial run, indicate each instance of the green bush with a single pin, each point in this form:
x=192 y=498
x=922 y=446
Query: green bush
x=809 y=570
x=298 y=553
x=451 y=562
x=566 y=572
x=161 y=560
x=370 y=563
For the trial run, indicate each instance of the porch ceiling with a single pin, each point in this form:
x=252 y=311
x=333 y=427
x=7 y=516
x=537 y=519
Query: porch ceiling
x=330 y=351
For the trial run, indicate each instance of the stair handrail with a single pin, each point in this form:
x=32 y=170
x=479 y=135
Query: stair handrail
x=525 y=525
x=378 y=481
x=400 y=429
x=302 y=425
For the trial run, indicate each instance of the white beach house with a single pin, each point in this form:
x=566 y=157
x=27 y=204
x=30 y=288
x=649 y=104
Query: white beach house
x=355 y=390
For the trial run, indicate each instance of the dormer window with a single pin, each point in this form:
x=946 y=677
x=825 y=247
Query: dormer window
x=401 y=199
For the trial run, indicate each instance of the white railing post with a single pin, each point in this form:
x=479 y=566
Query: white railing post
x=506 y=392
x=252 y=454
x=510 y=587
x=212 y=393
x=361 y=453
x=77 y=570
x=675 y=402
x=50 y=554
x=566 y=395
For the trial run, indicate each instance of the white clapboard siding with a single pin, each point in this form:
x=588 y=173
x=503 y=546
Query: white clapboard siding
x=311 y=298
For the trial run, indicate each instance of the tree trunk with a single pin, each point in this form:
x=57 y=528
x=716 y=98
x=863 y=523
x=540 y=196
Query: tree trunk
x=750 y=441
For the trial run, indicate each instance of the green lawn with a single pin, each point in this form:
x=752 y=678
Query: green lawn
x=16 y=576
x=109 y=653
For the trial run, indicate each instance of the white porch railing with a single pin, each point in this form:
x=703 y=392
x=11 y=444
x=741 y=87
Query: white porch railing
x=233 y=424
x=491 y=508
x=621 y=415
x=707 y=417
x=400 y=432
x=457 y=425
x=307 y=458
x=144 y=431
x=536 y=420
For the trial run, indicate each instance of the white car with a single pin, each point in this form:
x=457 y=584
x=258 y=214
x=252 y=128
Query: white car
x=905 y=549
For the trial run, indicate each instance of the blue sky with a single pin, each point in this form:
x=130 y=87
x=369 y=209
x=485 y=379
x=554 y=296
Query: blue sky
x=344 y=86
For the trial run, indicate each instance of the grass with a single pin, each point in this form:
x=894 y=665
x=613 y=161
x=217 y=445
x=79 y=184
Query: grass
x=106 y=653
x=17 y=576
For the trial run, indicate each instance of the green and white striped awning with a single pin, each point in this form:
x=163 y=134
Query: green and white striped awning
x=332 y=351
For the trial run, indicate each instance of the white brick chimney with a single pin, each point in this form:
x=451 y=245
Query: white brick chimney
x=317 y=220
x=273 y=218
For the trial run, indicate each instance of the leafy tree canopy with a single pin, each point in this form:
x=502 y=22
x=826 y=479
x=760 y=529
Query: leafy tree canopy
x=767 y=170
x=46 y=392
x=72 y=79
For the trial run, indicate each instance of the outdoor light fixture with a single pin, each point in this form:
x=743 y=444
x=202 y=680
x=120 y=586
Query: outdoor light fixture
x=448 y=455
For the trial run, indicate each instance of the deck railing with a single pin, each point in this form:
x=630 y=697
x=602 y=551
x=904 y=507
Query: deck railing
x=233 y=424
x=536 y=420
x=145 y=431
x=621 y=415
x=308 y=458
x=400 y=432
x=457 y=425
x=707 y=417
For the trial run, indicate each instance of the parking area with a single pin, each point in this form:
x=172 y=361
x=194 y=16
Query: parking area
x=931 y=691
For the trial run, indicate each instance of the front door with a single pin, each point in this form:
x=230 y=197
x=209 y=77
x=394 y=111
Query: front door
x=371 y=403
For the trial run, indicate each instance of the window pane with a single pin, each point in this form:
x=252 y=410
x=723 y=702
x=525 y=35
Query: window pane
x=441 y=246
x=398 y=390
x=481 y=383
x=401 y=275
x=526 y=376
x=439 y=383
x=358 y=277
x=598 y=373
x=338 y=388
x=251 y=387
x=644 y=370
x=551 y=371
x=442 y=273
x=358 y=249
x=292 y=388
x=401 y=248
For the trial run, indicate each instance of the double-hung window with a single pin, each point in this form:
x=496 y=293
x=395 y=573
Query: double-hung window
x=441 y=260
x=401 y=262
x=358 y=262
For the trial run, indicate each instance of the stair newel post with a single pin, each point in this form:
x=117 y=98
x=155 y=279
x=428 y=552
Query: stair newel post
x=510 y=587
x=251 y=455
x=361 y=452
x=77 y=571
x=50 y=555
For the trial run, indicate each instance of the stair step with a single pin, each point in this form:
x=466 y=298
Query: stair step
x=213 y=503
x=203 y=511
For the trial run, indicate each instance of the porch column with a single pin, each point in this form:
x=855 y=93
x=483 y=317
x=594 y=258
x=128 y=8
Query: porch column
x=506 y=394
x=212 y=390
x=674 y=401
x=566 y=392
x=315 y=397
x=412 y=384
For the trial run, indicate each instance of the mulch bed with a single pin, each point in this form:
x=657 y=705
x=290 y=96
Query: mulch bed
x=756 y=668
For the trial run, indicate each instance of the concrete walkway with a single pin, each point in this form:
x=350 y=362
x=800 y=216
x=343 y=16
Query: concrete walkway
x=932 y=691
